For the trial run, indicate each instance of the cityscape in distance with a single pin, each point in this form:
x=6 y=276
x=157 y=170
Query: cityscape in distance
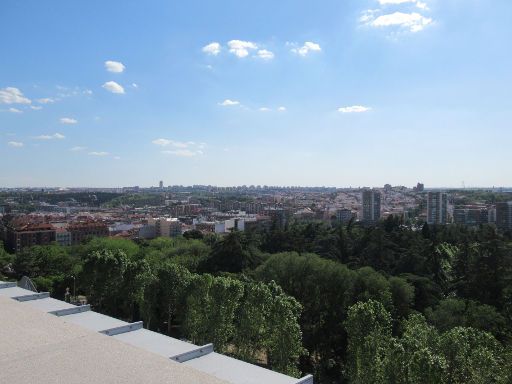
x=256 y=192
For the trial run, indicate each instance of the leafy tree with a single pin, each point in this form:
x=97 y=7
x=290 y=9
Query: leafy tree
x=420 y=344
x=453 y=312
x=252 y=321
x=130 y=248
x=228 y=255
x=472 y=356
x=165 y=296
x=211 y=308
x=323 y=288
x=284 y=341
x=193 y=234
x=112 y=282
x=402 y=295
x=368 y=327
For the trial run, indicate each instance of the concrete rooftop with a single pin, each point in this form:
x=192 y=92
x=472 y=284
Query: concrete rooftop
x=38 y=347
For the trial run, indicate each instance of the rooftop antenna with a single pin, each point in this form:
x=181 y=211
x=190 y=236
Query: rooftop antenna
x=463 y=185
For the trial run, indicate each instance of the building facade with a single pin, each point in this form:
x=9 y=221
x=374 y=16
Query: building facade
x=81 y=231
x=166 y=226
x=344 y=215
x=471 y=216
x=437 y=208
x=28 y=235
x=504 y=215
x=371 y=206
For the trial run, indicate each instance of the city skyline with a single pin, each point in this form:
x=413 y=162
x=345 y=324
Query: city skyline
x=359 y=93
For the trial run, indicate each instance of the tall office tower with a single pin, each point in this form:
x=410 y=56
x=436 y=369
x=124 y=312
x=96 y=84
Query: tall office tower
x=161 y=184
x=504 y=215
x=371 y=206
x=437 y=208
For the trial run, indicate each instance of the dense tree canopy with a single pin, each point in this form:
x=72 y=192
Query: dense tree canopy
x=384 y=304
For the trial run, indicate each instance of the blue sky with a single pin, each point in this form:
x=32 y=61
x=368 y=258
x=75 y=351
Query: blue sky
x=288 y=92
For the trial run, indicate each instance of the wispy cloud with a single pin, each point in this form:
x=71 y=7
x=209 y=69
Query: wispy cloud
x=68 y=120
x=15 y=110
x=213 y=48
x=180 y=148
x=46 y=100
x=354 y=109
x=306 y=48
x=12 y=95
x=183 y=153
x=99 y=154
x=265 y=109
x=229 y=103
x=36 y=107
x=114 y=66
x=177 y=144
x=418 y=3
x=15 y=144
x=77 y=149
x=113 y=87
x=265 y=54
x=281 y=109
x=55 y=136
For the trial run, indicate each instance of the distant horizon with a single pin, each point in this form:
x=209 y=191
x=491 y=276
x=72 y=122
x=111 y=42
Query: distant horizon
x=427 y=188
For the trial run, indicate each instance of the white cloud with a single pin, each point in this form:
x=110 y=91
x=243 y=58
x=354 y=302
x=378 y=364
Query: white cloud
x=45 y=100
x=113 y=87
x=14 y=110
x=55 y=136
x=414 y=21
x=229 y=103
x=11 y=95
x=241 y=48
x=77 y=149
x=15 y=144
x=68 y=120
x=36 y=107
x=388 y=2
x=368 y=15
x=307 y=48
x=180 y=148
x=422 y=5
x=281 y=109
x=134 y=85
x=265 y=109
x=183 y=153
x=354 y=109
x=176 y=144
x=212 y=48
x=99 y=154
x=114 y=66
x=162 y=142
x=418 y=3
x=265 y=54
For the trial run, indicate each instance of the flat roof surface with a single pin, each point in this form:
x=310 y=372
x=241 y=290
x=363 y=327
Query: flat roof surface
x=14 y=292
x=36 y=345
x=155 y=342
x=94 y=321
x=48 y=304
x=236 y=371
x=42 y=348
